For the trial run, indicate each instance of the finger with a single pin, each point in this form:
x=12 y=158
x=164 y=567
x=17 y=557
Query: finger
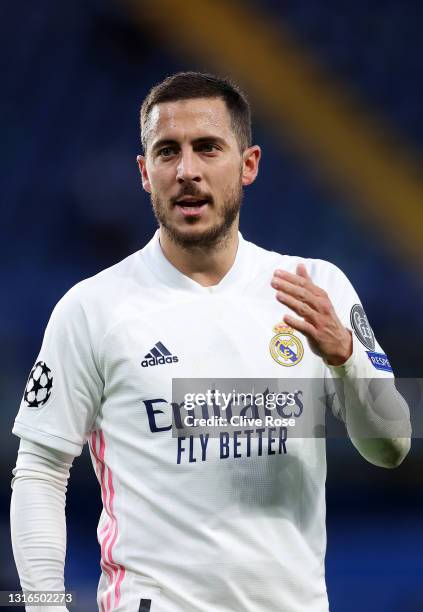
x=300 y=293
x=301 y=281
x=289 y=276
x=300 y=308
x=302 y=271
x=300 y=325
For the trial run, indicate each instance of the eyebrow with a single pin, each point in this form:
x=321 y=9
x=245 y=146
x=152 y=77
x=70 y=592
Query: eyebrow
x=168 y=141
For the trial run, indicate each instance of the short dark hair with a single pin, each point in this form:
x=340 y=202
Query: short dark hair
x=189 y=85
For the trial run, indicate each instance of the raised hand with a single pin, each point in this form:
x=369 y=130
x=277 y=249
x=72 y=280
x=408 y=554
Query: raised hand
x=319 y=323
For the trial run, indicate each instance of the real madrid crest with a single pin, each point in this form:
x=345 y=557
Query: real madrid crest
x=285 y=347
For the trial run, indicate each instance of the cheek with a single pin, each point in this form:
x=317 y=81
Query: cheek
x=159 y=180
x=230 y=180
x=225 y=177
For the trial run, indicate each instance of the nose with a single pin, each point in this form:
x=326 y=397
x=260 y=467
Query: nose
x=188 y=168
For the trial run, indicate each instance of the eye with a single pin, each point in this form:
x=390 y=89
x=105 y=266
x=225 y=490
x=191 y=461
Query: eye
x=166 y=151
x=208 y=147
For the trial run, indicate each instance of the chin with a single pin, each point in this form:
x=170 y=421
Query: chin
x=197 y=234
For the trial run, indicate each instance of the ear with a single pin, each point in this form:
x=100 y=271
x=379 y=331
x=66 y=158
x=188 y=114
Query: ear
x=250 y=164
x=142 y=165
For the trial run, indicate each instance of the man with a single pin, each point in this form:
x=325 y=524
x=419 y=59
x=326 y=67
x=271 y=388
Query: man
x=234 y=522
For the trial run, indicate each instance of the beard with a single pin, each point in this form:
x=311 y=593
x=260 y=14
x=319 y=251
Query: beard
x=209 y=238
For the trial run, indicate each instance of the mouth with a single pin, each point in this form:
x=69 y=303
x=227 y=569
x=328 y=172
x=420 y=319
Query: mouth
x=191 y=206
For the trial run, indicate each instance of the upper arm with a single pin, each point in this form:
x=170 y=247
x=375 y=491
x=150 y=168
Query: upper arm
x=64 y=389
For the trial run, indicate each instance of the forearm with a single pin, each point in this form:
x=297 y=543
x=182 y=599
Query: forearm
x=376 y=415
x=377 y=423
x=38 y=524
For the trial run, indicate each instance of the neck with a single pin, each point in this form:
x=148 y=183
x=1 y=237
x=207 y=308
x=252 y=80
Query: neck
x=205 y=265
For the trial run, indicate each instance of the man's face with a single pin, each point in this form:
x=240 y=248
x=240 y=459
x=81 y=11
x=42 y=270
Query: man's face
x=193 y=170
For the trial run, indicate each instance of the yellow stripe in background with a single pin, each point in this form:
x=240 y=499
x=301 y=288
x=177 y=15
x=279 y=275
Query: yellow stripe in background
x=353 y=150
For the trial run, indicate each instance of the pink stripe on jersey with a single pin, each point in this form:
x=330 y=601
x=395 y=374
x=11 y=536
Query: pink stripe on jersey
x=114 y=571
x=100 y=470
x=105 y=562
x=121 y=571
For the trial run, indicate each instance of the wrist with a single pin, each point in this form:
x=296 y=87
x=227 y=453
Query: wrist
x=345 y=352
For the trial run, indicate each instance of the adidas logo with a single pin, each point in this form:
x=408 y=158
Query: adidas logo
x=158 y=355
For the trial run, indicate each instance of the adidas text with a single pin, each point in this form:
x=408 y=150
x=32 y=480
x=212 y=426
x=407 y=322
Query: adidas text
x=153 y=361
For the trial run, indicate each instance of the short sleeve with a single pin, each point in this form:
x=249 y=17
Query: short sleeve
x=64 y=389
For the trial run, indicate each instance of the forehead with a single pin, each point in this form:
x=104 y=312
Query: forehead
x=190 y=119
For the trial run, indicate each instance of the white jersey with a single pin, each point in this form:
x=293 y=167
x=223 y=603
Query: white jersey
x=190 y=524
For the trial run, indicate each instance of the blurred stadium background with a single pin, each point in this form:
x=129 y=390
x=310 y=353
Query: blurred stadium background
x=336 y=89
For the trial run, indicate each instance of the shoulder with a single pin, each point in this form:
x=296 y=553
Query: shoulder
x=322 y=272
x=88 y=302
x=108 y=282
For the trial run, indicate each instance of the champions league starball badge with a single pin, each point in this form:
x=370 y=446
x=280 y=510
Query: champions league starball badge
x=361 y=327
x=285 y=348
x=39 y=385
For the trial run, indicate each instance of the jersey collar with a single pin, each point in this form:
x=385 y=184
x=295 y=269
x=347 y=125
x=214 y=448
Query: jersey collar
x=162 y=269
